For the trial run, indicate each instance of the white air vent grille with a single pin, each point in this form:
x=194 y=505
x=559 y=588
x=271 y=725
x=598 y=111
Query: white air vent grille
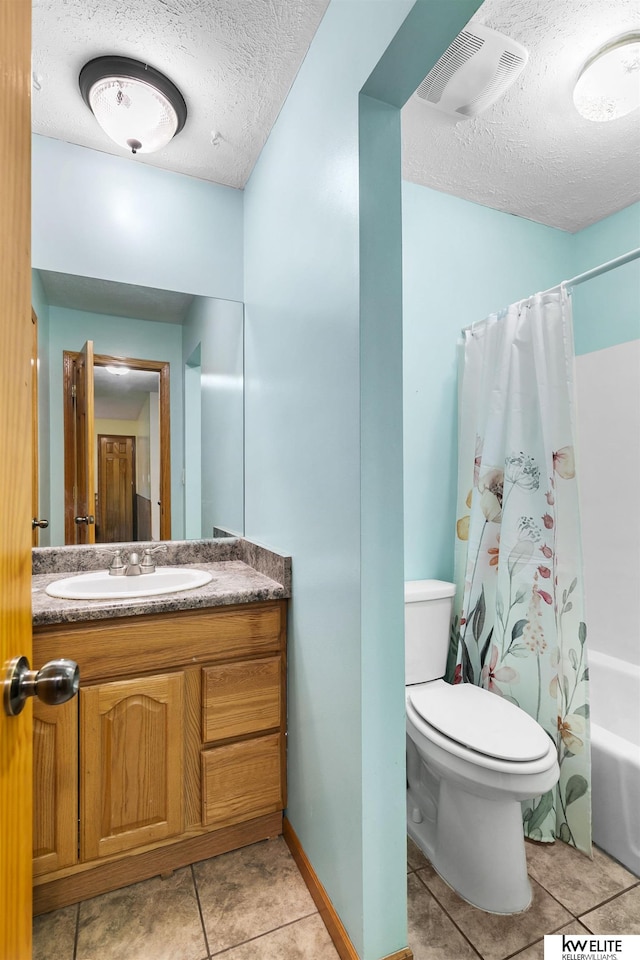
x=455 y=56
x=476 y=69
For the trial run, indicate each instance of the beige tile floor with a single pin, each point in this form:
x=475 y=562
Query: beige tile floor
x=571 y=894
x=253 y=905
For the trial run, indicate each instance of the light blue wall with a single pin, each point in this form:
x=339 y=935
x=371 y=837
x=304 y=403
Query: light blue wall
x=606 y=309
x=217 y=327
x=193 y=445
x=96 y=215
x=461 y=262
x=113 y=218
x=318 y=451
x=143 y=339
x=41 y=308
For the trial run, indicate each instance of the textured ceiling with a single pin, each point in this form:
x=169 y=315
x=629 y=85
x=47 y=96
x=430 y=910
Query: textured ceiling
x=529 y=154
x=233 y=60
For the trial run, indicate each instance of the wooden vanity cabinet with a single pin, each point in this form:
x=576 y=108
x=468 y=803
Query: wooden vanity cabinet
x=173 y=751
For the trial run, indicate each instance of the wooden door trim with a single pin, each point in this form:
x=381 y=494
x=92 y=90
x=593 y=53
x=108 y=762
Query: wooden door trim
x=84 y=421
x=35 y=486
x=102 y=360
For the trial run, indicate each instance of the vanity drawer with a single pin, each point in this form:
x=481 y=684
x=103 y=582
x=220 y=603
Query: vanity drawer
x=241 y=698
x=241 y=781
x=129 y=645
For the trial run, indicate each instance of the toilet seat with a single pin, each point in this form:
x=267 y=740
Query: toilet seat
x=480 y=720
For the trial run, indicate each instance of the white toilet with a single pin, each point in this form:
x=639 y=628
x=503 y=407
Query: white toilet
x=471 y=758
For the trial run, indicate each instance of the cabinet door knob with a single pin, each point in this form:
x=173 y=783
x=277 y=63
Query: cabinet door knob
x=43 y=524
x=88 y=519
x=56 y=682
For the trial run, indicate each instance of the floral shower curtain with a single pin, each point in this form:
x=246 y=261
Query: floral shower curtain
x=519 y=627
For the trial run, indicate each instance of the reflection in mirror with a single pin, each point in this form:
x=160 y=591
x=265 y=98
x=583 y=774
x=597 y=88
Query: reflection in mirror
x=126 y=408
x=126 y=411
x=117 y=449
x=201 y=340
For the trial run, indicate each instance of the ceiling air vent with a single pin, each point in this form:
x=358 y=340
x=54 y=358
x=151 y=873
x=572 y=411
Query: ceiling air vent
x=473 y=72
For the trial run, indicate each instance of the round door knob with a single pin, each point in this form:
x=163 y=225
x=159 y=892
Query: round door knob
x=87 y=519
x=56 y=682
x=43 y=524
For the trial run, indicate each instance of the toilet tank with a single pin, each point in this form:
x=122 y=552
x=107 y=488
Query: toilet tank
x=428 y=605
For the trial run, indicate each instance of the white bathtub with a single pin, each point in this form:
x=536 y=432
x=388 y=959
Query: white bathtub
x=615 y=755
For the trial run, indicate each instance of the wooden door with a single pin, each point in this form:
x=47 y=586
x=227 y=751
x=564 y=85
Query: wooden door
x=15 y=470
x=55 y=786
x=85 y=531
x=131 y=763
x=116 y=489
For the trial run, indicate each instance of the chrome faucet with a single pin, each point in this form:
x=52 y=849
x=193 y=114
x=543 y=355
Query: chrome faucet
x=134 y=566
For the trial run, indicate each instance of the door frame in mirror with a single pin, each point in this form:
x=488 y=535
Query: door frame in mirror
x=102 y=360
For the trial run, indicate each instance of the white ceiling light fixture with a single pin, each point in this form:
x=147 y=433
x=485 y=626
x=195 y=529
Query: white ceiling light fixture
x=117 y=370
x=135 y=104
x=608 y=86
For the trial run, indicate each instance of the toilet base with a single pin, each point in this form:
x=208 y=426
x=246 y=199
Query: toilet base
x=477 y=846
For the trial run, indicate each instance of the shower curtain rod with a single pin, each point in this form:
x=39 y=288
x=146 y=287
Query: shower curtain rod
x=603 y=268
x=587 y=275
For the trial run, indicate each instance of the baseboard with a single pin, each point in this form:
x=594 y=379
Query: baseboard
x=330 y=918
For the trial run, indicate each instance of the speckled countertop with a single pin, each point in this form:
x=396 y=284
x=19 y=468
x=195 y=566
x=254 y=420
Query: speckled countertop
x=242 y=572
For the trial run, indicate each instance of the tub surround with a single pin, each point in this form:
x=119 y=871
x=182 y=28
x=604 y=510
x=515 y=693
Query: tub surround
x=615 y=756
x=243 y=572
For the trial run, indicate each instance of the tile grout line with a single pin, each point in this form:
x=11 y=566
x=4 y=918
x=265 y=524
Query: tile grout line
x=265 y=933
x=608 y=900
x=447 y=914
x=514 y=956
x=204 y=929
x=77 y=932
x=602 y=903
x=539 y=939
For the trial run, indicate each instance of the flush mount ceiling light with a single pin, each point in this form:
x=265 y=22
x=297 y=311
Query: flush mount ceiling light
x=608 y=86
x=117 y=371
x=136 y=105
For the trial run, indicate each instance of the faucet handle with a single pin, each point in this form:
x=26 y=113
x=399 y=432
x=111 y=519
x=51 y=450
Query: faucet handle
x=118 y=566
x=148 y=564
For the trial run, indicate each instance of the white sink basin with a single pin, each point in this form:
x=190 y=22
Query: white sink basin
x=99 y=585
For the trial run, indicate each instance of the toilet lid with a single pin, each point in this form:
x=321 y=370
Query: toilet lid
x=480 y=720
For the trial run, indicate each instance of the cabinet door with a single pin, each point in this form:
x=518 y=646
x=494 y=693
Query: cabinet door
x=55 y=786
x=131 y=764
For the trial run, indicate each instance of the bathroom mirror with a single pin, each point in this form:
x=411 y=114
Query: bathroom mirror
x=201 y=340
